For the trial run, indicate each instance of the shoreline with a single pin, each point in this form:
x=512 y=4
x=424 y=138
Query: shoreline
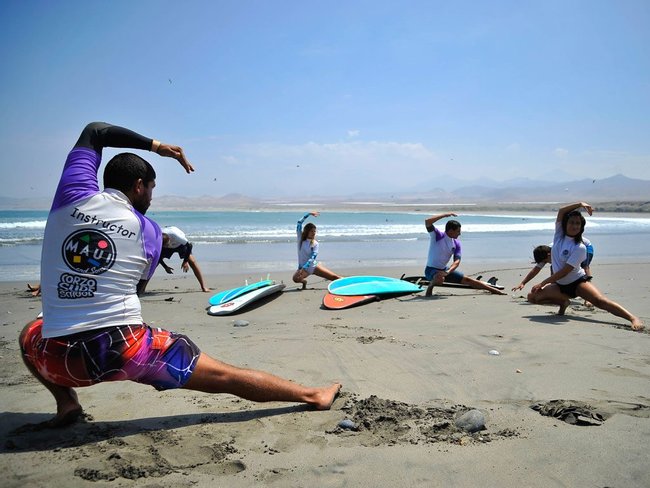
x=282 y=269
x=213 y=263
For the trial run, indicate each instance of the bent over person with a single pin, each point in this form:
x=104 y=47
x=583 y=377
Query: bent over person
x=175 y=241
x=98 y=248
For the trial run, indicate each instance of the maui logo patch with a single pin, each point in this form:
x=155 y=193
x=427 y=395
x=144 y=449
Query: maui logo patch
x=89 y=252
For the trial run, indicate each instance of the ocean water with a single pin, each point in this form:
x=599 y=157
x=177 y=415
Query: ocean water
x=264 y=242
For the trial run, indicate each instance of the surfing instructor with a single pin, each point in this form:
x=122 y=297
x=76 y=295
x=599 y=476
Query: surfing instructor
x=98 y=249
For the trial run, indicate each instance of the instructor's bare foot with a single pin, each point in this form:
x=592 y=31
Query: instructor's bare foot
x=637 y=324
x=324 y=397
x=56 y=422
x=563 y=307
x=68 y=412
x=68 y=409
x=63 y=420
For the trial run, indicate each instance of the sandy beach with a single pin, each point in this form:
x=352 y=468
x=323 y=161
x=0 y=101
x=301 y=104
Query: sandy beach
x=409 y=367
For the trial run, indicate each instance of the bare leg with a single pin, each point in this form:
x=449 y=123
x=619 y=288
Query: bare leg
x=481 y=286
x=323 y=272
x=300 y=276
x=35 y=289
x=564 y=306
x=589 y=292
x=68 y=408
x=197 y=272
x=437 y=279
x=213 y=376
x=551 y=294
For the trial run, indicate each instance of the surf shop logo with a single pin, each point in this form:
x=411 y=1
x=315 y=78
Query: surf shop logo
x=89 y=252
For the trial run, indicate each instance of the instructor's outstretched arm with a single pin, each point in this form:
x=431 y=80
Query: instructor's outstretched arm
x=435 y=218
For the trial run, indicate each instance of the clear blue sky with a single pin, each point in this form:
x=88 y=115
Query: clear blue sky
x=303 y=97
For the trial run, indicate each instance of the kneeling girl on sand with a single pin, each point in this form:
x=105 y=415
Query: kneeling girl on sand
x=307 y=253
x=569 y=278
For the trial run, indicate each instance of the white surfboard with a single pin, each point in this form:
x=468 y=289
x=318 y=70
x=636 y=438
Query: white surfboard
x=241 y=301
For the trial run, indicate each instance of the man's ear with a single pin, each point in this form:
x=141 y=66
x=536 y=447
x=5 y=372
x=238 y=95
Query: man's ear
x=135 y=190
x=138 y=186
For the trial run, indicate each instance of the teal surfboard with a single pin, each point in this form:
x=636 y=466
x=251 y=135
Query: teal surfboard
x=228 y=295
x=371 y=285
x=239 y=302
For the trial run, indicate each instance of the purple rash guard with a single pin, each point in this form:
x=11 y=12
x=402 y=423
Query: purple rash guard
x=441 y=249
x=96 y=247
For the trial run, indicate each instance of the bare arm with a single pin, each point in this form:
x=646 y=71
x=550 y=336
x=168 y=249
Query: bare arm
x=433 y=219
x=171 y=151
x=573 y=206
x=531 y=274
x=141 y=287
x=168 y=269
x=553 y=278
x=453 y=266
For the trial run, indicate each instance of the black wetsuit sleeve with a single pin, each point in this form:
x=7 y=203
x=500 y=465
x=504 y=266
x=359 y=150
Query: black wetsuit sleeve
x=98 y=135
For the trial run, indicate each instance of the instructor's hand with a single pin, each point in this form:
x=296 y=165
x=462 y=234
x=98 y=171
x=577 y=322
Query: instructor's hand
x=177 y=153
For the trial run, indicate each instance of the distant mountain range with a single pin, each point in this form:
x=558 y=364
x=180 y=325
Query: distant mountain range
x=619 y=191
x=614 y=188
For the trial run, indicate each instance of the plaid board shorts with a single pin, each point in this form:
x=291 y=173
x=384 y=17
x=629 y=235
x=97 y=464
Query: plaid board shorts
x=138 y=353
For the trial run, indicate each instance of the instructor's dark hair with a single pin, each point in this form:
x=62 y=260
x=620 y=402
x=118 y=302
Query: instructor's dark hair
x=540 y=253
x=125 y=169
x=565 y=220
x=452 y=225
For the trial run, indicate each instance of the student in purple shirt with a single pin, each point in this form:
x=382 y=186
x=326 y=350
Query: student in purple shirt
x=442 y=246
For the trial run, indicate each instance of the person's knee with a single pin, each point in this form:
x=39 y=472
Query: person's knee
x=531 y=297
x=298 y=277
